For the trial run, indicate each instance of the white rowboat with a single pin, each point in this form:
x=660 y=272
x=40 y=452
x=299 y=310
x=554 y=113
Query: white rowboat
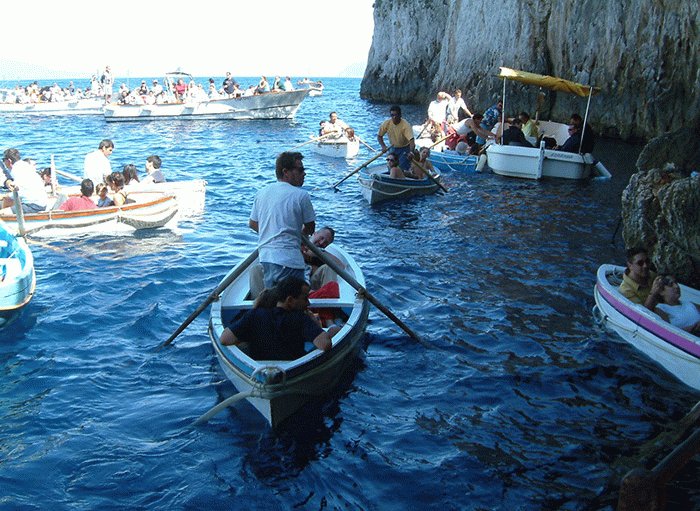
x=341 y=147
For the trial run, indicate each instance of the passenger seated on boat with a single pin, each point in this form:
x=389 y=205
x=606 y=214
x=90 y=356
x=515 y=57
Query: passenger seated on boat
x=103 y=200
x=680 y=313
x=588 y=134
x=154 y=174
x=131 y=175
x=639 y=284
x=514 y=135
x=180 y=90
x=395 y=171
x=421 y=157
x=84 y=201
x=279 y=333
x=529 y=126
x=116 y=183
x=333 y=126
x=23 y=177
x=466 y=130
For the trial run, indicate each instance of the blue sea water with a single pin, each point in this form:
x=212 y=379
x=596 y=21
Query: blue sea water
x=517 y=399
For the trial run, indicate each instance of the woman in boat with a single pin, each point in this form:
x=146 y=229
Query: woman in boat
x=680 y=313
x=131 y=176
x=392 y=162
x=421 y=158
x=116 y=183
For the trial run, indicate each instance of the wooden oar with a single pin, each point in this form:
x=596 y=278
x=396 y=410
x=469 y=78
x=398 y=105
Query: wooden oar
x=315 y=139
x=213 y=296
x=70 y=176
x=440 y=140
x=20 y=212
x=224 y=404
x=361 y=167
x=432 y=178
x=367 y=145
x=356 y=285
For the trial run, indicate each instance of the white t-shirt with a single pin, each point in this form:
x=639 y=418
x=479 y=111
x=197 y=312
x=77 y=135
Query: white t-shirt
x=281 y=210
x=96 y=166
x=683 y=316
x=31 y=185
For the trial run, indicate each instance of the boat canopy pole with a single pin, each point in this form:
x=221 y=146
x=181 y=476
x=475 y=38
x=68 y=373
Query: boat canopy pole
x=503 y=111
x=585 y=117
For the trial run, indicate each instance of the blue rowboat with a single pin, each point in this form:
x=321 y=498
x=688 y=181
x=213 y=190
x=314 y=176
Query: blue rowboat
x=17 y=277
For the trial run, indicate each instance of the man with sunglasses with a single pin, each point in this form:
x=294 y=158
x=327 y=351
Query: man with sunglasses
x=400 y=137
x=281 y=213
x=639 y=283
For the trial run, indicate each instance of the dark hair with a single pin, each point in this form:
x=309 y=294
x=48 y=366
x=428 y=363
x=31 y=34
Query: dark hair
x=267 y=299
x=12 y=155
x=395 y=108
x=106 y=143
x=329 y=229
x=524 y=114
x=116 y=178
x=289 y=286
x=286 y=160
x=87 y=187
x=631 y=252
x=478 y=116
x=130 y=173
x=155 y=160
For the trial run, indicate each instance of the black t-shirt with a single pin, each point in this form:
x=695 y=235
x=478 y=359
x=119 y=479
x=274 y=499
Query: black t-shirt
x=275 y=334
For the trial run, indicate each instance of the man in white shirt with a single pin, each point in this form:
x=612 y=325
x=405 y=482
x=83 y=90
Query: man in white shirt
x=29 y=185
x=282 y=212
x=455 y=106
x=97 y=166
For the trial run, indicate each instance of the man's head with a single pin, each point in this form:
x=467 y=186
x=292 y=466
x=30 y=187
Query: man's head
x=10 y=157
x=638 y=264
x=290 y=168
x=323 y=237
x=87 y=187
x=517 y=122
x=333 y=117
x=395 y=113
x=524 y=117
x=106 y=146
x=154 y=162
x=292 y=294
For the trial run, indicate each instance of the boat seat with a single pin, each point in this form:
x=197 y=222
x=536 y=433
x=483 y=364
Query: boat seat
x=10 y=266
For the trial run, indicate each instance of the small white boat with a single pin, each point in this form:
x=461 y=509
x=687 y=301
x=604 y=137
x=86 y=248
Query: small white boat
x=341 y=147
x=17 y=276
x=84 y=106
x=277 y=388
x=314 y=88
x=538 y=162
x=150 y=210
x=453 y=161
x=675 y=349
x=378 y=187
x=270 y=105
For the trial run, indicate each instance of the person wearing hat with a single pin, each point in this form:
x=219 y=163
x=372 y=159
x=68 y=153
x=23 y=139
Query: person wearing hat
x=157 y=88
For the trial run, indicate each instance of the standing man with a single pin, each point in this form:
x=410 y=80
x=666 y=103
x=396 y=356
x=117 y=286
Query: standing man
x=456 y=108
x=96 y=166
x=400 y=136
x=281 y=213
x=491 y=116
x=22 y=176
x=228 y=84
x=107 y=81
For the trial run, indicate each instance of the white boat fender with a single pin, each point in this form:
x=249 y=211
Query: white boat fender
x=603 y=173
x=481 y=163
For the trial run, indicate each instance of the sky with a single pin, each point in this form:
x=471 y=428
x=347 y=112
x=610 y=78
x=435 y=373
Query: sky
x=300 y=38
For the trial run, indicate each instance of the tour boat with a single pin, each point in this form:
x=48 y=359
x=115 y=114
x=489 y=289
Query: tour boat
x=277 y=389
x=150 y=210
x=538 y=162
x=269 y=105
x=83 y=106
x=378 y=187
x=17 y=277
x=674 y=349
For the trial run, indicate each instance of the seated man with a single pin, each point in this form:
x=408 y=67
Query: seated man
x=514 y=134
x=639 y=284
x=22 y=176
x=279 y=332
x=82 y=202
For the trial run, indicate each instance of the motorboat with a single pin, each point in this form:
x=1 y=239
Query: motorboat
x=674 y=349
x=76 y=106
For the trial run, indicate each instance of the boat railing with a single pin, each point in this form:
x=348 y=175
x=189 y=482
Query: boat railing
x=644 y=490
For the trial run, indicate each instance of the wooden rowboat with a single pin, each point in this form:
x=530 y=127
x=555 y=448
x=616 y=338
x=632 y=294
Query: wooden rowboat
x=674 y=349
x=17 y=276
x=150 y=210
x=277 y=389
x=340 y=147
x=378 y=187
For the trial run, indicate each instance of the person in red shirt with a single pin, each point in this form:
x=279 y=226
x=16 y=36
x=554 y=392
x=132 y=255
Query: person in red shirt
x=84 y=201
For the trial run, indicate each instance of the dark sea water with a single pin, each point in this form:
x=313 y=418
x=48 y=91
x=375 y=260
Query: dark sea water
x=516 y=400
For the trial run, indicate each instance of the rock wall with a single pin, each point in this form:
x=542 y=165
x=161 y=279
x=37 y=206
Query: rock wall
x=643 y=54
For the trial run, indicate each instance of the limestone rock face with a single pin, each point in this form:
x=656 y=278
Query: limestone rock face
x=661 y=211
x=643 y=54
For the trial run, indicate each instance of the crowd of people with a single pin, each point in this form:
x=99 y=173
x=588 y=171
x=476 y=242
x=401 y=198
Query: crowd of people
x=100 y=186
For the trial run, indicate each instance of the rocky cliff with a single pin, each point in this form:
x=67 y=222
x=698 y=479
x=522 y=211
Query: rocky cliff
x=643 y=54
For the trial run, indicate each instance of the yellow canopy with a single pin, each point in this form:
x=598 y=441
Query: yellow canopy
x=550 y=82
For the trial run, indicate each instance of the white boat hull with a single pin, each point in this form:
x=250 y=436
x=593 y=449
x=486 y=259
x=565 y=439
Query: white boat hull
x=340 y=148
x=674 y=349
x=378 y=187
x=280 y=388
x=150 y=211
x=17 y=276
x=87 y=106
x=272 y=105
x=536 y=163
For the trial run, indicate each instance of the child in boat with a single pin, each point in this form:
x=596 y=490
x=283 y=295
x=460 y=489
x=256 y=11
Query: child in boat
x=116 y=184
x=680 y=313
x=103 y=200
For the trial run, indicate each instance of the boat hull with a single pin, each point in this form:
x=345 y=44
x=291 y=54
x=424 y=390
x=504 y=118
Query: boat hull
x=378 y=187
x=674 y=349
x=88 y=106
x=536 y=163
x=280 y=388
x=151 y=211
x=342 y=148
x=452 y=161
x=17 y=275
x=272 y=105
